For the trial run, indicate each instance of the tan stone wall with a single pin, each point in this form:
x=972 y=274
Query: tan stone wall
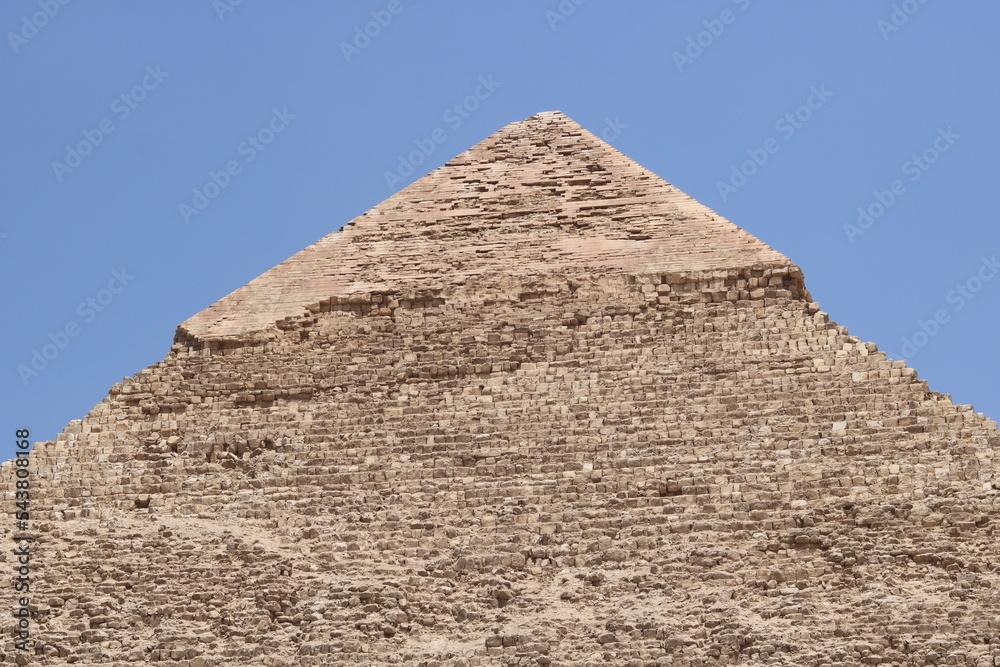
x=582 y=468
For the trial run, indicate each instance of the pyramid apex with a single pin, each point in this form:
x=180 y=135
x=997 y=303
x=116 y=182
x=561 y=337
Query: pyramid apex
x=538 y=196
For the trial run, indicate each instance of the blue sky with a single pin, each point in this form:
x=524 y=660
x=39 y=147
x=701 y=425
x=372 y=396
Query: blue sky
x=159 y=155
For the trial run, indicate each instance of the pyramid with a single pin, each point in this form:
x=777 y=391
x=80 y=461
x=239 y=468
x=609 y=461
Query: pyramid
x=538 y=408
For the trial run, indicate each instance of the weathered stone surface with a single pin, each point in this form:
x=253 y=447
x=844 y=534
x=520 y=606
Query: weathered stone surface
x=538 y=196
x=538 y=408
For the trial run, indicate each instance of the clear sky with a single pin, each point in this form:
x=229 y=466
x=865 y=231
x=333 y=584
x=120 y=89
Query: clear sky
x=158 y=155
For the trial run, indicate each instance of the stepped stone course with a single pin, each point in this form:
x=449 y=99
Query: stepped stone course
x=538 y=408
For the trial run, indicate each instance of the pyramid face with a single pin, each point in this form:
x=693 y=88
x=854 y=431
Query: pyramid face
x=539 y=407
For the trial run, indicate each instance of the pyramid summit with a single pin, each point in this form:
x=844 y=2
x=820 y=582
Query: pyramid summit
x=539 y=195
x=538 y=408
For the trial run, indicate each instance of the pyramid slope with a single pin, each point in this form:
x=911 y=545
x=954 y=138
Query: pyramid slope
x=658 y=479
x=539 y=195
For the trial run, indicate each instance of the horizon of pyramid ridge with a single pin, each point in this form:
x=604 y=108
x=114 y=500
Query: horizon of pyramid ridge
x=561 y=199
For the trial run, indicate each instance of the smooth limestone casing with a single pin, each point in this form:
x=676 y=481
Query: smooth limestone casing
x=512 y=436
